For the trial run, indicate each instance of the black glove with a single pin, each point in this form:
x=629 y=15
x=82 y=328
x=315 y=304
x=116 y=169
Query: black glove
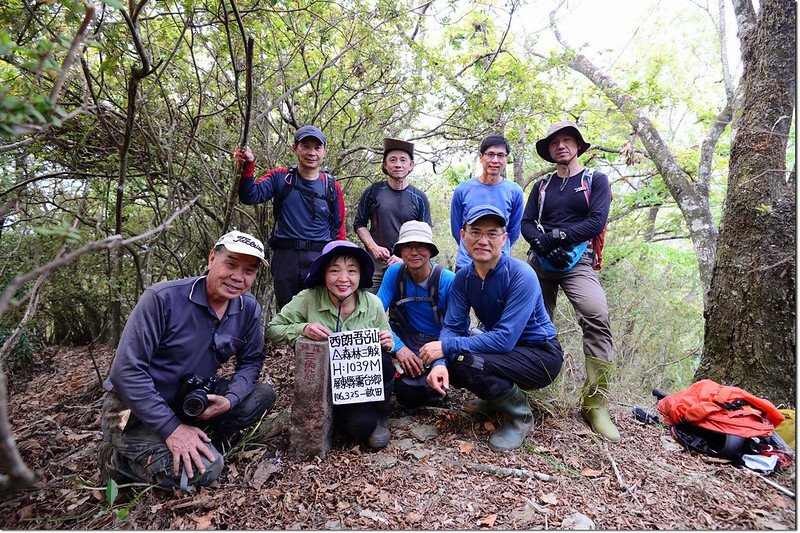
x=544 y=243
x=558 y=257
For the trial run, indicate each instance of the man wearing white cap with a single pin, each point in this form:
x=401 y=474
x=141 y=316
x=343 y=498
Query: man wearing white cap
x=165 y=406
x=415 y=292
x=386 y=205
x=566 y=213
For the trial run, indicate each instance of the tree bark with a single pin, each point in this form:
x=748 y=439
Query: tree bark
x=750 y=335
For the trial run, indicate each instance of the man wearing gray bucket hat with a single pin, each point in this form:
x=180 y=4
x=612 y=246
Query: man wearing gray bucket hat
x=415 y=292
x=386 y=205
x=166 y=417
x=564 y=222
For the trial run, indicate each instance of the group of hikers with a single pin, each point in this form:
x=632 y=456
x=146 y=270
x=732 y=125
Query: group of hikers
x=167 y=420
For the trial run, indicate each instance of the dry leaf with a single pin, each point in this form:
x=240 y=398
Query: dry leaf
x=590 y=472
x=413 y=518
x=488 y=425
x=466 y=447
x=75 y=437
x=26 y=512
x=550 y=498
x=263 y=473
x=488 y=521
x=204 y=521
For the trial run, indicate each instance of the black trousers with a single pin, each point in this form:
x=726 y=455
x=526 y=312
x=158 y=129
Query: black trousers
x=289 y=269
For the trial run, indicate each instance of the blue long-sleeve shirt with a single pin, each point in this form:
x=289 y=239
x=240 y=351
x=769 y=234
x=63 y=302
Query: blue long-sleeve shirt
x=506 y=196
x=418 y=314
x=173 y=331
x=303 y=217
x=565 y=208
x=508 y=303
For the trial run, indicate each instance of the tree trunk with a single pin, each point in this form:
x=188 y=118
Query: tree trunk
x=750 y=333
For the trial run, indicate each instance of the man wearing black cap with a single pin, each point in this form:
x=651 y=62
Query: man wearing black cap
x=307 y=204
x=518 y=350
x=386 y=205
x=565 y=213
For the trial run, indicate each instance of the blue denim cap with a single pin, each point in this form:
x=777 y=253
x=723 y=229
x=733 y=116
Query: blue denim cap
x=310 y=131
x=480 y=211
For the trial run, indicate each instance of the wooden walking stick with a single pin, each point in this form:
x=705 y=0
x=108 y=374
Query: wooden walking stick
x=245 y=129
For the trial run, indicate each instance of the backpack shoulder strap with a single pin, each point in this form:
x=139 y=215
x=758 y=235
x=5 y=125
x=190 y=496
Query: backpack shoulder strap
x=433 y=292
x=545 y=182
x=586 y=181
x=286 y=185
x=400 y=292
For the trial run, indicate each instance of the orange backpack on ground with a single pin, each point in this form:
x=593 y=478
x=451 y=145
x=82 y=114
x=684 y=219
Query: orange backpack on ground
x=722 y=421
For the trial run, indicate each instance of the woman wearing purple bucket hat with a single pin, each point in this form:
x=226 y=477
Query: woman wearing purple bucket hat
x=335 y=300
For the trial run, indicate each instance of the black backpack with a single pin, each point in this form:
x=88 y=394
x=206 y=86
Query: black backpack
x=396 y=313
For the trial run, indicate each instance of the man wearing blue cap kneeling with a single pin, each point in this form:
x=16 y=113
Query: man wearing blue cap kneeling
x=518 y=350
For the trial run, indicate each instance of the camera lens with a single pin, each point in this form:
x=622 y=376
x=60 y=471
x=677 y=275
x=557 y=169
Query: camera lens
x=195 y=403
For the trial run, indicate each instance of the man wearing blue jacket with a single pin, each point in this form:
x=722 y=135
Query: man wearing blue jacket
x=488 y=188
x=415 y=292
x=154 y=423
x=518 y=350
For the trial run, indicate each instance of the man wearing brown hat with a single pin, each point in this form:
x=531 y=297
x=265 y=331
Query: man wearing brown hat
x=565 y=213
x=386 y=205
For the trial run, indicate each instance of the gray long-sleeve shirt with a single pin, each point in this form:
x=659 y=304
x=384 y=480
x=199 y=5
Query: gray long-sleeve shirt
x=173 y=331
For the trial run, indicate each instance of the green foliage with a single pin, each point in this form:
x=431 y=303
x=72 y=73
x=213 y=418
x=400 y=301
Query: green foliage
x=23 y=351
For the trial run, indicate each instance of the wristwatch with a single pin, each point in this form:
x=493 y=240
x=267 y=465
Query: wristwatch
x=558 y=234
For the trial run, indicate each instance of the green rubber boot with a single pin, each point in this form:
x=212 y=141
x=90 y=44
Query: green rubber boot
x=595 y=399
x=517 y=420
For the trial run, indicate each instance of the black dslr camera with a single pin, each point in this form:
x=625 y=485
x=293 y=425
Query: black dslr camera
x=194 y=393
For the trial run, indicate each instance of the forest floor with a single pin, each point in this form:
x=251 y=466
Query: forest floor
x=437 y=474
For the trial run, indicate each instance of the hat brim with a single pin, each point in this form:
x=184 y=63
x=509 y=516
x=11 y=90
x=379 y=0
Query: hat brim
x=399 y=244
x=500 y=220
x=316 y=272
x=244 y=250
x=543 y=145
x=306 y=136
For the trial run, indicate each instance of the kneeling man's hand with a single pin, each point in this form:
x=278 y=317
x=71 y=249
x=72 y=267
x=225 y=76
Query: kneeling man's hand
x=430 y=352
x=217 y=405
x=186 y=444
x=439 y=379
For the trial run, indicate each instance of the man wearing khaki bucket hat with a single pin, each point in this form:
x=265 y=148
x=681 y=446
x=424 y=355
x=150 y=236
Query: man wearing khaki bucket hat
x=564 y=232
x=386 y=205
x=415 y=292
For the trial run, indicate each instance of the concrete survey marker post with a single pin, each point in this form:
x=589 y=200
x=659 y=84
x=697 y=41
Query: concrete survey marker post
x=312 y=408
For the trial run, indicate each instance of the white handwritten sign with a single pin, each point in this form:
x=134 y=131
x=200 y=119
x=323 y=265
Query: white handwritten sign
x=356 y=368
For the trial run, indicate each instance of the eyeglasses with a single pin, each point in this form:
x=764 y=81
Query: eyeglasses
x=492 y=235
x=491 y=156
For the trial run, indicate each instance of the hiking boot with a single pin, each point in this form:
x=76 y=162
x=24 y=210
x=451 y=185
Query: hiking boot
x=595 y=399
x=517 y=420
x=480 y=408
x=107 y=463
